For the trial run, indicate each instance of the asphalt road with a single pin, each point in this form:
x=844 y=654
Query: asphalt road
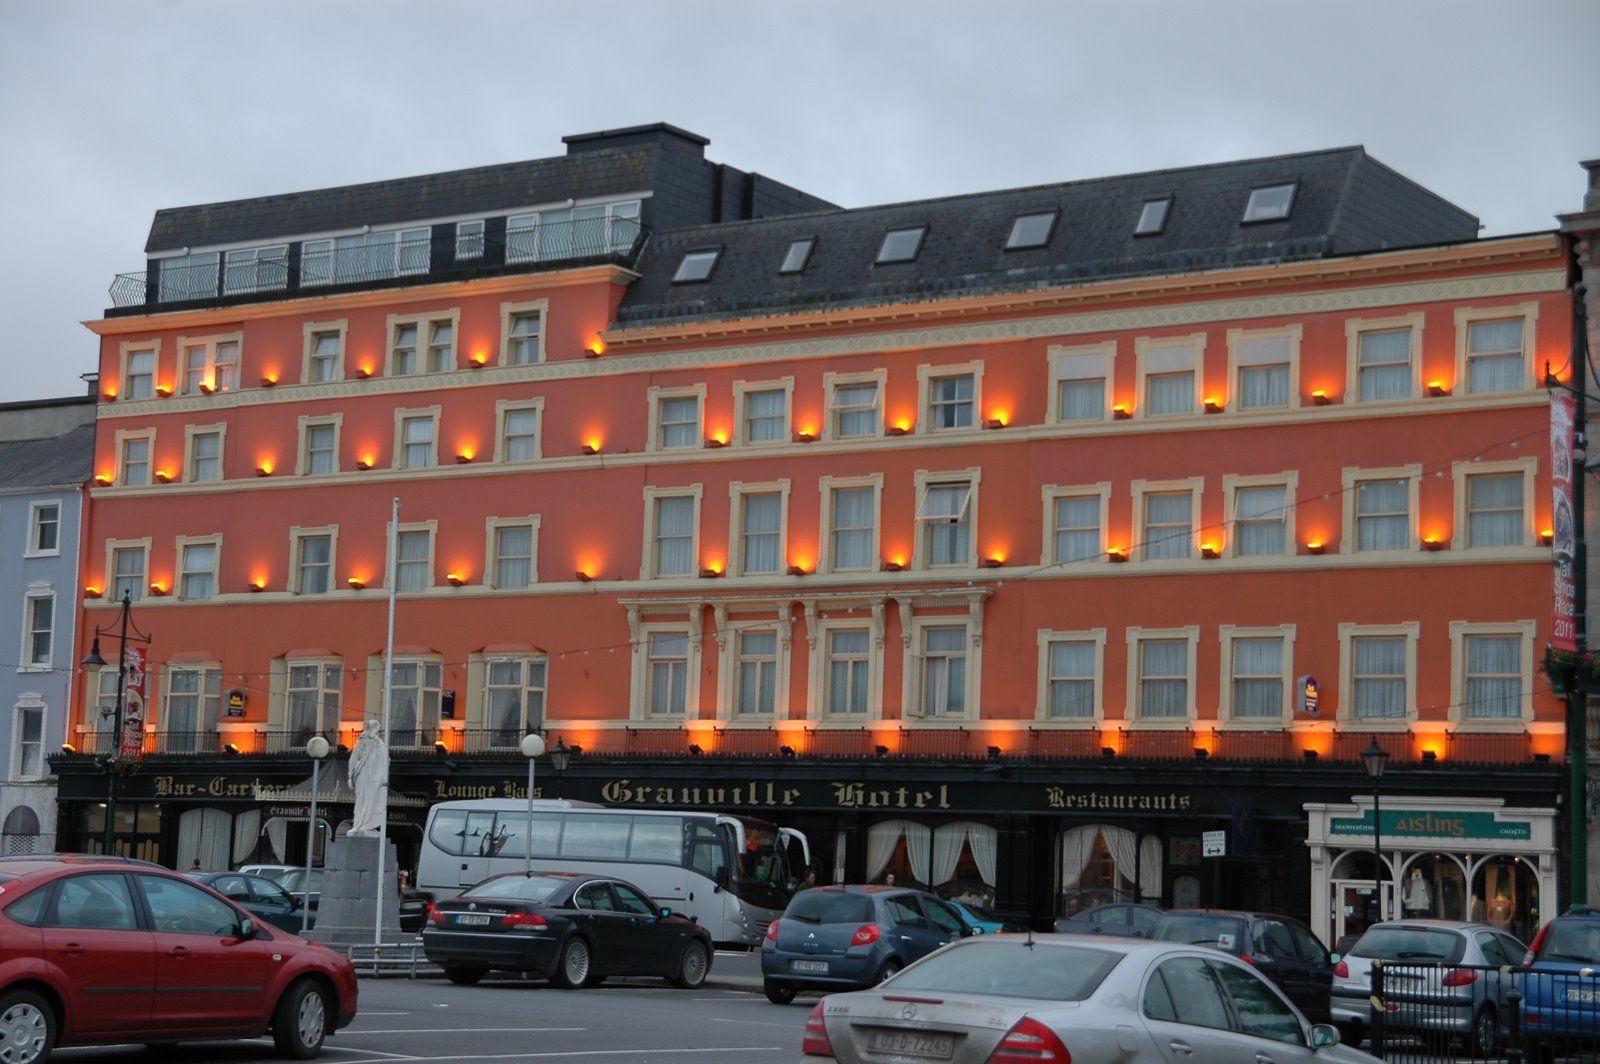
x=506 y=1020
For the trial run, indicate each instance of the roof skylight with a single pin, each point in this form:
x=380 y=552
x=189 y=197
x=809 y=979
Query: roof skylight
x=1153 y=217
x=1031 y=230
x=1270 y=203
x=696 y=265
x=901 y=245
x=799 y=253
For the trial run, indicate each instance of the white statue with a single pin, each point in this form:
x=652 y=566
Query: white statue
x=369 y=775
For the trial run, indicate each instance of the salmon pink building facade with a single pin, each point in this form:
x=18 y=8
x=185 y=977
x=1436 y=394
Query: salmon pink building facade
x=1008 y=543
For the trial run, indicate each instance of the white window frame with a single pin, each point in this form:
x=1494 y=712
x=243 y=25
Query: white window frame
x=741 y=393
x=652 y=495
x=1041 y=711
x=1226 y=635
x=210 y=344
x=1195 y=486
x=508 y=311
x=1052 y=493
x=27 y=703
x=469 y=234
x=38 y=592
x=1349 y=632
x=478 y=710
x=502 y=408
x=180 y=548
x=688 y=625
x=35 y=506
x=832 y=381
x=112 y=547
x=127 y=436
x=401 y=416
x=283 y=694
x=1133 y=712
x=827 y=484
x=1236 y=338
x=424 y=324
x=737 y=490
x=927 y=373
x=302 y=460
x=821 y=660
x=655 y=396
x=193 y=432
x=491 y=528
x=1467 y=316
x=1461 y=472
x=298 y=533
x=1355 y=327
x=917 y=658
x=1459 y=631
x=1288 y=480
x=1144 y=347
x=391 y=564
x=1059 y=357
x=129 y=348
x=206 y=669
x=1351 y=476
x=308 y=335
x=732 y=638
x=925 y=479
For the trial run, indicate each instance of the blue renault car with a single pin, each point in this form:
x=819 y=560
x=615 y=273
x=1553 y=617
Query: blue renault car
x=1561 y=988
x=848 y=938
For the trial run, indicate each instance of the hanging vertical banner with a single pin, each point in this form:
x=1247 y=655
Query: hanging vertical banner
x=1563 y=523
x=133 y=695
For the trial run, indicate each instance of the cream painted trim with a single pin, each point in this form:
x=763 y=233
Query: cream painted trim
x=973 y=475
x=296 y=534
x=179 y=545
x=647 y=560
x=1459 y=631
x=737 y=490
x=129 y=347
x=1144 y=346
x=504 y=406
x=1460 y=472
x=1350 y=476
x=190 y=431
x=1353 y=328
x=1528 y=312
x=1295 y=333
x=1131 y=713
x=742 y=389
x=424 y=325
x=401 y=415
x=1348 y=633
x=641 y=631
x=1195 y=486
x=1041 y=710
x=209 y=343
x=1053 y=356
x=108 y=591
x=729 y=662
x=127 y=436
x=819 y=635
x=832 y=380
x=972 y=709
x=540 y=307
x=1053 y=492
x=493 y=525
x=827 y=484
x=1289 y=479
x=390 y=564
x=927 y=373
x=654 y=397
x=308 y=332
x=1226 y=634
x=302 y=456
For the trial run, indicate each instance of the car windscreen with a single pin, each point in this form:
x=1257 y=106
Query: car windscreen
x=1199 y=929
x=829 y=907
x=518 y=888
x=1410 y=944
x=1577 y=941
x=1001 y=968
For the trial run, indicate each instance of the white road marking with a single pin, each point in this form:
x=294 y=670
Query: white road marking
x=759 y=1023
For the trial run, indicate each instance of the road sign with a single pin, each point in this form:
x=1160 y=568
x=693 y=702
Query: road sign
x=1214 y=844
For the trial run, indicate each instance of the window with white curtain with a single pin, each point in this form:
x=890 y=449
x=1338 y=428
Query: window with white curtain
x=1260 y=520
x=1493 y=688
x=946 y=518
x=325 y=355
x=522 y=338
x=519 y=435
x=1378 y=676
x=513 y=556
x=1163 y=678
x=313 y=564
x=1081 y=398
x=1077 y=528
x=127 y=573
x=964 y=838
x=855 y=410
x=668 y=673
x=403 y=349
x=757 y=675
x=1257 y=681
x=469 y=239
x=853 y=512
x=414 y=693
x=673 y=535
x=205 y=457
x=417 y=435
x=1383 y=515
x=950 y=401
x=139 y=376
x=313 y=699
x=135 y=462
x=413 y=564
x=1263 y=363
x=849 y=670
x=1384 y=365
x=1169 y=393
x=28 y=759
x=766 y=416
x=1070 y=674
x=44 y=528
x=197 y=571
x=679 y=421
x=441 y=345
x=513 y=702
x=760 y=531
x=40 y=633
x=194 y=703
x=944 y=671
x=1495 y=356
x=210 y=364
x=1494 y=510
x=1169 y=524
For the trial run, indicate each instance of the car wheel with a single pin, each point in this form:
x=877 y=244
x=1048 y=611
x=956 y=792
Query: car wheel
x=300 y=1022
x=465 y=974
x=1485 y=1039
x=890 y=967
x=575 y=964
x=693 y=967
x=27 y=1028
x=778 y=993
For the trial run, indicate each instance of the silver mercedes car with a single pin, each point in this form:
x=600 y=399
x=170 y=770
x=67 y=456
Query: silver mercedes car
x=1087 y=999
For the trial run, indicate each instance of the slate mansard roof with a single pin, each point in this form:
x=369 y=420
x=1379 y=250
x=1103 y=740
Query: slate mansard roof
x=1345 y=202
x=53 y=461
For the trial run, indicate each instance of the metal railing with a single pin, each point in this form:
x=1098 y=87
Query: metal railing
x=184 y=742
x=492 y=740
x=292 y=740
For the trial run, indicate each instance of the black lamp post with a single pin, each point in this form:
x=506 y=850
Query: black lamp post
x=95 y=661
x=558 y=761
x=1376 y=758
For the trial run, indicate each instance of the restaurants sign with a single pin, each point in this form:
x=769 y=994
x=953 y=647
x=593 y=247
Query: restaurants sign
x=1563 y=545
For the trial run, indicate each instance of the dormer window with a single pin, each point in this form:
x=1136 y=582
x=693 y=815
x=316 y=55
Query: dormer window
x=696 y=266
x=1153 y=217
x=901 y=245
x=799 y=253
x=1271 y=203
x=1031 y=230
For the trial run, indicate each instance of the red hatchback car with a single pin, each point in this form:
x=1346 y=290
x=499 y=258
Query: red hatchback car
x=98 y=950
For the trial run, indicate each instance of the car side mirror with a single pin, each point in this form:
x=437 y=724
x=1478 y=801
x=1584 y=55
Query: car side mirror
x=969 y=931
x=1334 y=958
x=247 y=929
x=666 y=913
x=1324 y=1035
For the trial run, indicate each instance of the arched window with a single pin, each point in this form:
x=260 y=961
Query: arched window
x=20 y=834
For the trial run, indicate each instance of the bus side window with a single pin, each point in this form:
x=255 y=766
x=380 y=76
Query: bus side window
x=708 y=853
x=449 y=831
x=478 y=835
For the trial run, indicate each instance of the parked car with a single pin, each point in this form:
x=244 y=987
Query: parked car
x=1430 y=993
x=841 y=938
x=415 y=905
x=1072 y=997
x=1281 y=948
x=92 y=948
x=1560 y=996
x=982 y=920
x=297 y=883
x=573 y=929
x=1126 y=920
x=271 y=871
x=261 y=896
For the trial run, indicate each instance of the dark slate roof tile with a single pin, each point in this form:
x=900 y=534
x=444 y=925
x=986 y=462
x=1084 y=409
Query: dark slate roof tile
x=48 y=462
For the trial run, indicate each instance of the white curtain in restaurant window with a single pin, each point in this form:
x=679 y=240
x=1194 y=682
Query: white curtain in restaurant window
x=1072 y=679
x=852 y=525
x=1077 y=846
x=1385 y=365
x=1494 y=507
x=948 y=839
x=1383 y=515
x=1494 y=356
x=1494 y=676
x=1259 y=520
x=205 y=835
x=1122 y=845
x=1150 y=868
x=1258 y=677
x=761 y=532
x=675 y=535
x=1380 y=676
x=1164 y=678
x=246 y=830
x=885 y=835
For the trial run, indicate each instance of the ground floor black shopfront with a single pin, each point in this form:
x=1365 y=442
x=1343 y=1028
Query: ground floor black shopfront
x=1027 y=838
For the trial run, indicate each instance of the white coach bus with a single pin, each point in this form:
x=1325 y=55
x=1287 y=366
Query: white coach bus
x=730 y=873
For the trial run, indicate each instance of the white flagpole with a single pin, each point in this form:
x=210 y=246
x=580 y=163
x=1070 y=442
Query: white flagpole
x=383 y=724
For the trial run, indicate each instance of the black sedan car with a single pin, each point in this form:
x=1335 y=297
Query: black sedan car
x=259 y=895
x=573 y=929
x=1123 y=918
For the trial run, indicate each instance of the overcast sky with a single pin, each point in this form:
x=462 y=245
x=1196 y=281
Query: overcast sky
x=109 y=111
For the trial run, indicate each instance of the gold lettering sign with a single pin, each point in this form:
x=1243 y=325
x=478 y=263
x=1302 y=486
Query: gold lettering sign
x=1090 y=801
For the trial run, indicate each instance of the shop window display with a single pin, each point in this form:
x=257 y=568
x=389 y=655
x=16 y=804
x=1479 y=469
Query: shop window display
x=1434 y=886
x=1505 y=894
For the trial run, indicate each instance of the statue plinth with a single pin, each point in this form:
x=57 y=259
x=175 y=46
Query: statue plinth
x=350 y=891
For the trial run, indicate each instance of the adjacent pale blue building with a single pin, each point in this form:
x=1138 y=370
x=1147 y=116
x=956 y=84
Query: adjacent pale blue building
x=46 y=452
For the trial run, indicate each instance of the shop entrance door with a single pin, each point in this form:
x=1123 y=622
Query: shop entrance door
x=1355 y=907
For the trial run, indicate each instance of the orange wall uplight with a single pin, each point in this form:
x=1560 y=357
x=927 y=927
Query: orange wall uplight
x=714 y=564
x=1319 y=741
x=597 y=346
x=903 y=422
x=720 y=436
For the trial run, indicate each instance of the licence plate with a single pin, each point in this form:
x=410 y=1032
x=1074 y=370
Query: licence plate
x=808 y=966
x=473 y=919
x=912 y=1043
x=1582 y=997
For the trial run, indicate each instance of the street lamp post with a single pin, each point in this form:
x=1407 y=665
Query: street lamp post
x=316 y=749
x=532 y=749
x=558 y=761
x=1376 y=758
x=95 y=661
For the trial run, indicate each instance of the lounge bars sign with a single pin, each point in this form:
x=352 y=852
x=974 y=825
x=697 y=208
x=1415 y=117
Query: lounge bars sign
x=1563 y=545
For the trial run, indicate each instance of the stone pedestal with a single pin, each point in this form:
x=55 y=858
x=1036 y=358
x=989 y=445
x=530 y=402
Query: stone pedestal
x=350 y=890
